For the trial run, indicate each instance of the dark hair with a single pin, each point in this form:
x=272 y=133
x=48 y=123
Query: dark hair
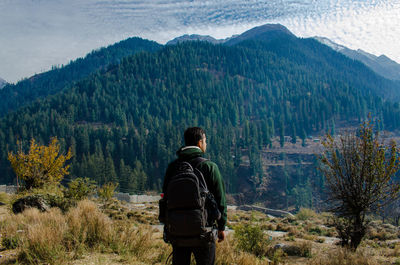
x=193 y=135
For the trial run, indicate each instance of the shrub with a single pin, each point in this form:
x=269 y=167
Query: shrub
x=270 y=226
x=294 y=231
x=309 y=237
x=315 y=230
x=277 y=255
x=80 y=188
x=88 y=226
x=132 y=240
x=305 y=214
x=41 y=166
x=10 y=242
x=305 y=249
x=395 y=252
x=43 y=237
x=227 y=253
x=250 y=238
x=106 y=191
x=282 y=227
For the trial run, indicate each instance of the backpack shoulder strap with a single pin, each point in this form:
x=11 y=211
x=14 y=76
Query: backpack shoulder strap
x=195 y=162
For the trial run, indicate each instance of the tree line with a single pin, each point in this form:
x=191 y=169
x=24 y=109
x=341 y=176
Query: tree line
x=125 y=124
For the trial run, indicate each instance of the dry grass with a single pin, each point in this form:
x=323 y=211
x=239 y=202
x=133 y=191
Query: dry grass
x=306 y=214
x=44 y=236
x=89 y=234
x=341 y=256
x=4 y=198
x=56 y=238
x=88 y=226
x=227 y=253
x=38 y=236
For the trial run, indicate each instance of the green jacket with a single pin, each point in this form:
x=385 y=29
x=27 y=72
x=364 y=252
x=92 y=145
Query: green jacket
x=211 y=175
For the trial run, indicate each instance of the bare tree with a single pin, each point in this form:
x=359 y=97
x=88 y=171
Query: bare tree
x=359 y=170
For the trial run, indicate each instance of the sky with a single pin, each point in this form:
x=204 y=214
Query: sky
x=38 y=34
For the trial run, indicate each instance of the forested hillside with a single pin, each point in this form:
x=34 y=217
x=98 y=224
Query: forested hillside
x=48 y=83
x=125 y=124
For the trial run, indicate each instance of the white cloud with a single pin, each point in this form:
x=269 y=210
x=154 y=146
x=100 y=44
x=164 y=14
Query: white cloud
x=35 y=34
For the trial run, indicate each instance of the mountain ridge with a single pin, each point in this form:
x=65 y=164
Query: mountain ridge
x=3 y=83
x=272 y=30
x=124 y=123
x=51 y=82
x=382 y=64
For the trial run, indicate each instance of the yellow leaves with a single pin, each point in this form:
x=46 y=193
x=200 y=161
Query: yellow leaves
x=42 y=165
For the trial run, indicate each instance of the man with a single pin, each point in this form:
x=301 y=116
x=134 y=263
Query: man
x=195 y=146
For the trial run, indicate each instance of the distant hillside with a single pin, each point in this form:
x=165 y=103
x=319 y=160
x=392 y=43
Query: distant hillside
x=382 y=65
x=313 y=54
x=125 y=124
x=194 y=37
x=51 y=82
x=277 y=37
x=2 y=83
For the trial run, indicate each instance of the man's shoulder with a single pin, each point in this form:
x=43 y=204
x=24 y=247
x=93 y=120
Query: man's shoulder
x=209 y=165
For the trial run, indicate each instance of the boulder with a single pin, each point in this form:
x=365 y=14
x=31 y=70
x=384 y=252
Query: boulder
x=31 y=201
x=290 y=250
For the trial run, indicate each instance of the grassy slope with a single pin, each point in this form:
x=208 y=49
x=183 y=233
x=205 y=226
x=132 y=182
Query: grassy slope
x=142 y=243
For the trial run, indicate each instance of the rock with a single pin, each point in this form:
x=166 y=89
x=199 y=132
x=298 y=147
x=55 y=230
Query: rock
x=30 y=201
x=290 y=250
x=279 y=245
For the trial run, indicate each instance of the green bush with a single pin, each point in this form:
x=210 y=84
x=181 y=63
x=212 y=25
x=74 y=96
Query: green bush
x=315 y=230
x=64 y=204
x=251 y=238
x=80 y=188
x=106 y=191
x=11 y=242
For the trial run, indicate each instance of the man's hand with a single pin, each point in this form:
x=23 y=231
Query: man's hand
x=221 y=236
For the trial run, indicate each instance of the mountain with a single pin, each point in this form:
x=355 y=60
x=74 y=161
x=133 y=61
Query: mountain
x=278 y=39
x=194 y=37
x=382 y=65
x=125 y=122
x=278 y=35
x=51 y=82
x=2 y=83
x=268 y=32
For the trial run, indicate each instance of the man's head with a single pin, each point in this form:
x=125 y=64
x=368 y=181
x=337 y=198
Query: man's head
x=195 y=136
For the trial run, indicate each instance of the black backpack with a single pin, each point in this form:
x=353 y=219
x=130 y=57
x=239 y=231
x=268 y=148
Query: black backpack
x=185 y=207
